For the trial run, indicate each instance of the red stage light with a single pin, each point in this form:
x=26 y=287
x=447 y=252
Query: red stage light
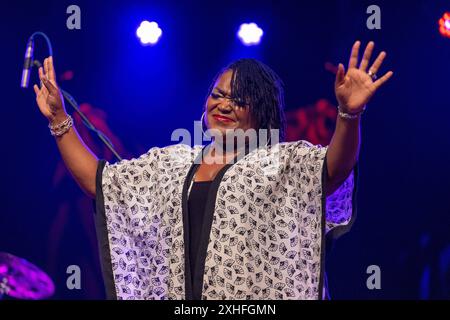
x=444 y=25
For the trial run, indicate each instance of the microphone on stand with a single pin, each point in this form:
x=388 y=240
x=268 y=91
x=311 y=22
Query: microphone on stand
x=27 y=64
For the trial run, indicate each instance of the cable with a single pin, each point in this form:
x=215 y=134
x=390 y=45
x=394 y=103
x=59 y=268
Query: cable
x=49 y=44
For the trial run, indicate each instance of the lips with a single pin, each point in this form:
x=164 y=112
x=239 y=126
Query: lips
x=223 y=118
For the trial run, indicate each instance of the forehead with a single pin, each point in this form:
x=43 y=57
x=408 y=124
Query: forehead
x=224 y=81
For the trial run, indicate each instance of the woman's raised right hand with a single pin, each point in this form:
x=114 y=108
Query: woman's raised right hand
x=49 y=97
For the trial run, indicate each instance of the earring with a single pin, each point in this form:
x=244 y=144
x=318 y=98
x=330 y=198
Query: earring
x=201 y=120
x=270 y=137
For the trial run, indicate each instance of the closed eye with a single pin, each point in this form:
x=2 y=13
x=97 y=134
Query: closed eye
x=238 y=102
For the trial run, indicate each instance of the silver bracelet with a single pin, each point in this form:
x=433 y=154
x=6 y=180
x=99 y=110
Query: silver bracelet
x=61 y=128
x=346 y=115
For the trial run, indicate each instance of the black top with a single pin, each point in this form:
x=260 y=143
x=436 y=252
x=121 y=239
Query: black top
x=196 y=204
x=194 y=281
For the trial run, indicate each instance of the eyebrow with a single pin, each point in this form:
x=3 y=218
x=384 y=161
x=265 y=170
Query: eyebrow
x=221 y=91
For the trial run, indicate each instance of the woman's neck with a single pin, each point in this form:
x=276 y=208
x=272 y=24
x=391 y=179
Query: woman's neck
x=224 y=152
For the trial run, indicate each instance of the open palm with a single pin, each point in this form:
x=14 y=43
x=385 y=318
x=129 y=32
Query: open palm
x=355 y=88
x=48 y=97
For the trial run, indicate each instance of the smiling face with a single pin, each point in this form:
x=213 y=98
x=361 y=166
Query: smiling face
x=222 y=112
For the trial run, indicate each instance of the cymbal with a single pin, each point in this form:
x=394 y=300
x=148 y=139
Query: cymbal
x=21 y=279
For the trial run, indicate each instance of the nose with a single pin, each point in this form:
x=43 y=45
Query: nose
x=226 y=106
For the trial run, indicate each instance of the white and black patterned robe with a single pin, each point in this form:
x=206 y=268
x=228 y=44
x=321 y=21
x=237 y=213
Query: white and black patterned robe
x=263 y=234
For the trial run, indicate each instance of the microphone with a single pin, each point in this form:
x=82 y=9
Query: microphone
x=27 y=64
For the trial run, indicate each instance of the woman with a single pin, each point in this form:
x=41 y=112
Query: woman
x=176 y=223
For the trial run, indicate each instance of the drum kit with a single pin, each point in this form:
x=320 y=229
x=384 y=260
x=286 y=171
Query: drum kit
x=20 y=279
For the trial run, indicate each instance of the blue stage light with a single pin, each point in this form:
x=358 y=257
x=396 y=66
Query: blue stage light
x=148 y=33
x=250 y=34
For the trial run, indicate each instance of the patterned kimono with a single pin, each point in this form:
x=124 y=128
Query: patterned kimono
x=264 y=233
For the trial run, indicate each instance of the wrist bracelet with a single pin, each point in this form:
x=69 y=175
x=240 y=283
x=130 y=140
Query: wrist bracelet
x=346 y=115
x=61 y=128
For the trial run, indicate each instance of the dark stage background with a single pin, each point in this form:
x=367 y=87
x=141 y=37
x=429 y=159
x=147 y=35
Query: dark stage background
x=138 y=95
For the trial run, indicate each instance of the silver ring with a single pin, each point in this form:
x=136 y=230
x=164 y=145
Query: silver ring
x=372 y=75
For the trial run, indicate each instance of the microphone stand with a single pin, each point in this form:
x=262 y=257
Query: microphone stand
x=86 y=121
x=89 y=124
x=71 y=100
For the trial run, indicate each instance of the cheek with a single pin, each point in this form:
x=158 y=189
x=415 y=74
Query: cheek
x=208 y=104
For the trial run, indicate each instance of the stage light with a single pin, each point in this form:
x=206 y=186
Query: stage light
x=444 y=25
x=250 y=34
x=148 y=33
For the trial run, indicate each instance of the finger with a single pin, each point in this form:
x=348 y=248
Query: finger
x=51 y=69
x=42 y=77
x=366 y=57
x=50 y=87
x=377 y=63
x=46 y=66
x=340 y=74
x=36 y=90
x=41 y=73
x=354 y=55
x=383 y=79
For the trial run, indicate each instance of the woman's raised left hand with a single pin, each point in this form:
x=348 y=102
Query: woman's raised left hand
x=355 y=87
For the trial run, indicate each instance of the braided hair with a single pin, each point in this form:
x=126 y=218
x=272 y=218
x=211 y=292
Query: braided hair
x=254 y=84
